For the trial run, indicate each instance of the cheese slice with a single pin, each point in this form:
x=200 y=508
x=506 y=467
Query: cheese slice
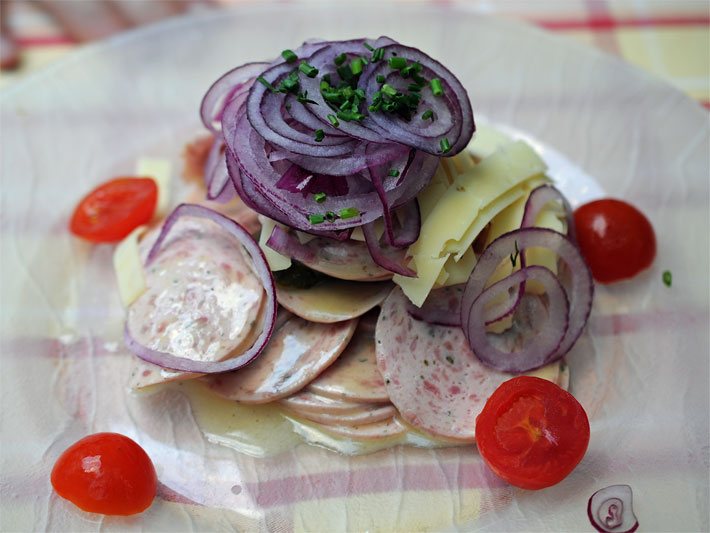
x=276 y=260
x=486 y=141
x=159 y=170
x=128 y=266
x=459 y=271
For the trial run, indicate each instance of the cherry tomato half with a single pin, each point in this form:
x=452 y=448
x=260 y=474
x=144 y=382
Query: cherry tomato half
x=615 y=238
x=112 y=210
x=106 y=473
x=532 y=433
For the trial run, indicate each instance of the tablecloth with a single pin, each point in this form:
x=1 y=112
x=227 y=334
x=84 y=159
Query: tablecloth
x=669 y=38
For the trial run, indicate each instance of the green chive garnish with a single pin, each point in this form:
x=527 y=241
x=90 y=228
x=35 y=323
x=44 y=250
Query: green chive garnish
x=319 y=197
x=339 y=60
x=330 y=216
x=436 y=88
x=397 y=63
x=378 y=54
x=370 y=48
x=308 y=70
x=356 y=66
x=380 y=78
x=316 y=219
x=289 y=56
x=394 y=173
x=349 y=212
x=444 y=144
x=333 y=120
x=428 y=114
x=320 y=135
x=667 y=278
x=389 y=90
x=266 y=84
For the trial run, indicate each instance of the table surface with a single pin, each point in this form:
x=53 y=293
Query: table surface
x=669 y=38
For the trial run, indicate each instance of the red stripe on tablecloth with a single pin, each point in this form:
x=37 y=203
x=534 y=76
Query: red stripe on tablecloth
x=705 y=103
x=605 y=22
x=339 y=484
x=49 y=40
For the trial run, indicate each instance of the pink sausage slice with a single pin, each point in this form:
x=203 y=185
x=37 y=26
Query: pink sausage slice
x=367 y=414
x=202 y=301
x=297 y=352
x=430 y=373
x=355 y=376
x=383 y=429
x=309 y=402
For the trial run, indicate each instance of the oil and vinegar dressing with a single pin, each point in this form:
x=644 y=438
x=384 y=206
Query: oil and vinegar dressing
x=267 y=429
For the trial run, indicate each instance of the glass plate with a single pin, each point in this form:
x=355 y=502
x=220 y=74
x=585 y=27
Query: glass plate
x=641 y=371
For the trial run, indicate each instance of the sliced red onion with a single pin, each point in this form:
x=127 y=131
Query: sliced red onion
x=538 y=198
x=610 y=510
x=217 y=182
x=224 y=89
x=387 y=257
x=476 y=297
x=261 y=267
x=287 y=244
x=442 y=307
x=452 y=111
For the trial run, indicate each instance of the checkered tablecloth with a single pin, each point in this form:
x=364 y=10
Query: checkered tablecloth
x=669 y=38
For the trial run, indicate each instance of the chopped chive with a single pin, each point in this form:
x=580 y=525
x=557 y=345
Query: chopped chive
x=380 y=78
x=397 y=63
x=320 y=135
x=514 y=257
x=428 y=114
x=345 y=73
x=394 y=173
x=356 y=66
x=436 y=88
x=445 y=145
x=333 y=120
x=266 y=84
x=360 y=94
x=339 y=60
x=414 y=87
x=348 y=116
x=349 y=212
x=330 y=216
x=667 y=278
x=378 y=54
x=370 y=48
x=303 y=98
x=319 y=197
x=389 y=90
x=308 y=70
x=289 y=56
x=316 y=219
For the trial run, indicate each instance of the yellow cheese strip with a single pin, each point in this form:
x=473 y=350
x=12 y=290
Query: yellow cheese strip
x=276 y=260
x=128 y=266
x=459 y=271
x=458 y=208
x=486 y=141
x=427 y=271
x=158 y=169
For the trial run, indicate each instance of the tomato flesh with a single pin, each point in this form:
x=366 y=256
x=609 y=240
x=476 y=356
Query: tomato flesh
x=106 y=473
x=111 y=211
x=615 y=238
x=532 y=433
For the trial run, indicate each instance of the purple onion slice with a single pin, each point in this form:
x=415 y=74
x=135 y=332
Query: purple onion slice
x=261 y=267
x=610 y=510
x=539 y=197
x=477 y=300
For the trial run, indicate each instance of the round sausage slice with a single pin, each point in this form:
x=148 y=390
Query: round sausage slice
x=297 y=352
x=354 y=376
x=332 y=300
x=430 y=373
x=202 y=301
x=309 y=402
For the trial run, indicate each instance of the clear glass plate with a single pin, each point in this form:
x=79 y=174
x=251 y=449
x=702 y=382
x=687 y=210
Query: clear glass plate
x=641 y=371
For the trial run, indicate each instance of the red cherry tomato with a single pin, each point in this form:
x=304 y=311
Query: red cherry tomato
x=112 y=210
x=616 y=239
x=106 y=473
x=532 y=433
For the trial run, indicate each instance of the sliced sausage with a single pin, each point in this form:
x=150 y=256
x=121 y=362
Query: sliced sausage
x=297 y=352
x=430 y=373
x=355 y=376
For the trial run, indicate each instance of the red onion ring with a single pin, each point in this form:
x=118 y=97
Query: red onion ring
x=610 y=510
x=538 y=198
x=223 y=90
x=579 y=294
x=261 y=267
x=387 y=257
